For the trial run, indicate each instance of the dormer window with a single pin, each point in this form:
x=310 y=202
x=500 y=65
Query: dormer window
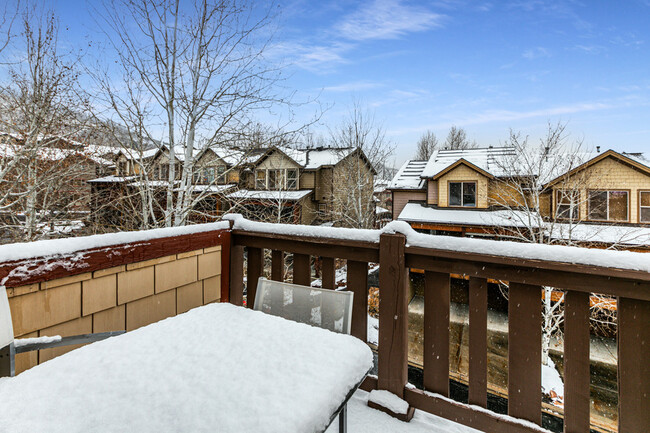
x=462 y=194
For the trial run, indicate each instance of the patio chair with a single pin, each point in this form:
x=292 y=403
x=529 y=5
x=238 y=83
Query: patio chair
x=324 y=308
x=8 y=348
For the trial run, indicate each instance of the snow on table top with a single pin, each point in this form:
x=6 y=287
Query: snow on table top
x=552 y=253
x=58 y=247
x=215 y=368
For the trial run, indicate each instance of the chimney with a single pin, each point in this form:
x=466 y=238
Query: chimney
x=598 y=149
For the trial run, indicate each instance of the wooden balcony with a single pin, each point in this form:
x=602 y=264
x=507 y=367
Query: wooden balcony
x=67 y=287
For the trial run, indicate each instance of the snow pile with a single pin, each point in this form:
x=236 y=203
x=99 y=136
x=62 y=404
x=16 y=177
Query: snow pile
x=36 y=340
x=59 y=247
x=215 y=368
x=552 y=384
x=388 y=400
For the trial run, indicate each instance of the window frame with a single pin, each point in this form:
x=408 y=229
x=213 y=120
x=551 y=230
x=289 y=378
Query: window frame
x=295 y=180
x=642 y=191
x=559 y=203
x=608 y=191
x=258 y=180
x=462 y=193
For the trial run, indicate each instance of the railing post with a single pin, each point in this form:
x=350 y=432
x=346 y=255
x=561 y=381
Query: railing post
x=277 y=265
x=525 y=352
x=358 y=283
x=393 y=314
x=436 y=332
x=576 y=362
x=478 y=297
x=633 y=365
x=254 y=272
x=236 y=274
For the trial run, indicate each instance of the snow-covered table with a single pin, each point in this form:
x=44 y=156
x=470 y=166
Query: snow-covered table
x=217 y=368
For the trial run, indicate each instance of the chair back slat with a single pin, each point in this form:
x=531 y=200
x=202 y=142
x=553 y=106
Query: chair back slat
x=324 y=308
x=6 y=328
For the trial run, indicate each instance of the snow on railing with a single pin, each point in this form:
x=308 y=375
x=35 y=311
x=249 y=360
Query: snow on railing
x=625 y=260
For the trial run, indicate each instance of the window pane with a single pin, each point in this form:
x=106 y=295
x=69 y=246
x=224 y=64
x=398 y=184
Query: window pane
x=260 y=179
x=469 y=194
x=618 y=205
x=645 y=214
x=645 y=198
x=455 y=192
x=272 y=179
x=292 y=176
x=598 y=205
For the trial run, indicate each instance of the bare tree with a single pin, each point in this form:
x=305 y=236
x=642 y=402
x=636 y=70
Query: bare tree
x=457 y=139
x=202 y=66
x=427 y=144
x=364 y=146
x=525 y=194
x=39 y=112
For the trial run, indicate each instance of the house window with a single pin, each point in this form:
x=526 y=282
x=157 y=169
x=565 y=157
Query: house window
x=292 y=178
x=164 y=172
x=208 y=175
x=273 y=179
x=608 y=205
x=322 y=208
x=644 y=206
x=260 y=179
x=221 y=174
x=462 y=194
x=567 y=204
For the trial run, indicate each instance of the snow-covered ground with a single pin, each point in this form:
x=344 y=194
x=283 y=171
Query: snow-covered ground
x=363 y=419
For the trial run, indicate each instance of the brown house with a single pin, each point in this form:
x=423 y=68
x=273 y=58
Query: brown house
x=482 y=192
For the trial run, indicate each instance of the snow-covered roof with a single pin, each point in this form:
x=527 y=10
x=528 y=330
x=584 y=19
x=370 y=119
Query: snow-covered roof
x=602 y=233
x=248 y=194
x=490 y=159
x=316 y=158
x=212 y=188
x=416 y=212
x=112 y=179
x=409 y=176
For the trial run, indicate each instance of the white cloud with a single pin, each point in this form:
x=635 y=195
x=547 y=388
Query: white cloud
x=536 y=53
x=353 y=86
x=386 y=19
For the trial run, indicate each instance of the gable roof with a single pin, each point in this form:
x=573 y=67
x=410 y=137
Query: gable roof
x=464 y=162
x=409 y=176
x=488 y=159
x=635 y=161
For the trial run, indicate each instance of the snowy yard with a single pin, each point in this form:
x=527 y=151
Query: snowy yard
x=362 y=419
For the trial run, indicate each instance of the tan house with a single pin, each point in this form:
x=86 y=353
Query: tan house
x=480 y=192
x=278 y=184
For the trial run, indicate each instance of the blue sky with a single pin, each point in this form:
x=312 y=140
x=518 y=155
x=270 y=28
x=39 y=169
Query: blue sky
x=483 y=66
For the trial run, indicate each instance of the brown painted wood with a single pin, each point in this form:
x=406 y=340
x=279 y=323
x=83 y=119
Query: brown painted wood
x=603 y=271
x=436 y=333
x=301 y=269
x=633 y=365
x=393 y=309
x=524 y=352
x=335 y=248
x=464 y=414
x=478 y=341
x=49 y=268
x=253 y=273
x=277 y=265
x=237 y=275
x=225 y=267
x=328 y=272
x=457 y=412
x=576 y=362
x=584 y=282
x=358 y=283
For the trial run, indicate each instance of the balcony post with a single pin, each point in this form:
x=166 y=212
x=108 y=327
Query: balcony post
x=393 y=314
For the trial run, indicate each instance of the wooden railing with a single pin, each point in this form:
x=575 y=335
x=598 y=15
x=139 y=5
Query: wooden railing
x=525 y=277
